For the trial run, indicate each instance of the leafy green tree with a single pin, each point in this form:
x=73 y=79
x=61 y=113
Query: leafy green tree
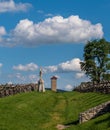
x=96 y=62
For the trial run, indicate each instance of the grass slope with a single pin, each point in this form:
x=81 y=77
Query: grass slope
x=43 y=111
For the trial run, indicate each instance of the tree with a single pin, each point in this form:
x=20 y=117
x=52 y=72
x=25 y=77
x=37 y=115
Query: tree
x=96 y=62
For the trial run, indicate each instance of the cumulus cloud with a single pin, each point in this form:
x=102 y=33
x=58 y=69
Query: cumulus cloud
x=54 y=30
x=68 y=66
x=72 y=65
x=79 y=75
x=27 y=67
x=11 y=6
x=69 y=87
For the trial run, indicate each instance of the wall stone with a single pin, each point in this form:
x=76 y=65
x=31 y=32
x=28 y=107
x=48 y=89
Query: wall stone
x=94 y=112
x=103 y=87
x=12 y=89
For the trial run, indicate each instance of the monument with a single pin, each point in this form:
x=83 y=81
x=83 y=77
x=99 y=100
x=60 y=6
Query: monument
x=41 y=87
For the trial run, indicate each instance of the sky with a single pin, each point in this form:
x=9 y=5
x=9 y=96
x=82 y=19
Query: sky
x=49 y=34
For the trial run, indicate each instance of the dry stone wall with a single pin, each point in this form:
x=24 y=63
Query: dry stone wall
x=11 y=89
x=94 y=112
x=103 y=87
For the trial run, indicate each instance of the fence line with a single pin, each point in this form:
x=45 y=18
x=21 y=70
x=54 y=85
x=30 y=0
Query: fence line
x=11 y=89
x=103 y=87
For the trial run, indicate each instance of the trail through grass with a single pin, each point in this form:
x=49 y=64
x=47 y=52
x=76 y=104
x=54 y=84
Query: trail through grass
x=43 y=111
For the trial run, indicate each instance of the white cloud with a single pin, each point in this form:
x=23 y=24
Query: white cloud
x=79 y=75
x=11 y=6
x=23 y=78
x=69 y=87
x=50 y=69
x=40 y=11
x=54 y=30
x=49 y=15
x=27 y=67
x=2 y=33
x=1 y=65
x=68 y=66
x=10 y=82
x=33 y=78
x=16 y=77
x=72 y=65
x=20 y=77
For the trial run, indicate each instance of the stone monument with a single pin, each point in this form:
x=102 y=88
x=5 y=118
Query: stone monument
x=41 y=87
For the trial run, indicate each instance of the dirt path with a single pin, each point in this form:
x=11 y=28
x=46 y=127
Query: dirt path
x=61 y=127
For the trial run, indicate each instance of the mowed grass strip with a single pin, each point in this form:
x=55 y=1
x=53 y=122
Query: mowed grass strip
x=43 y=111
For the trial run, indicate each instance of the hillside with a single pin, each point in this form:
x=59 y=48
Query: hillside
x=44 y=111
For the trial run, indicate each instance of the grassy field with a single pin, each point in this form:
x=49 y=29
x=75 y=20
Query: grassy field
x=43 y=111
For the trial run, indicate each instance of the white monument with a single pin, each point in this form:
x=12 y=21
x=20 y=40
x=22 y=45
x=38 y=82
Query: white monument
x=41 y=87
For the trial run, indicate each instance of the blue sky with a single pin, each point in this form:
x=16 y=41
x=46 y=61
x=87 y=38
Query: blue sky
x=50 y=34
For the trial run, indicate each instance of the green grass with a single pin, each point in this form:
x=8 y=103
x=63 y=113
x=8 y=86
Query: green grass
x=43 y=111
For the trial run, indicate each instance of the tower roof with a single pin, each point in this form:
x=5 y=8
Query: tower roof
x=53 y=77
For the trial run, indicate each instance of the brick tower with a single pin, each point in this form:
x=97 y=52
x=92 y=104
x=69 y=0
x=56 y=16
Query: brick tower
x=54 y=83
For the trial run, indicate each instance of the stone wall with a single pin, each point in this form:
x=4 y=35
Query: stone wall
x=12 y=89
x=94 y=112
x=103 y=87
